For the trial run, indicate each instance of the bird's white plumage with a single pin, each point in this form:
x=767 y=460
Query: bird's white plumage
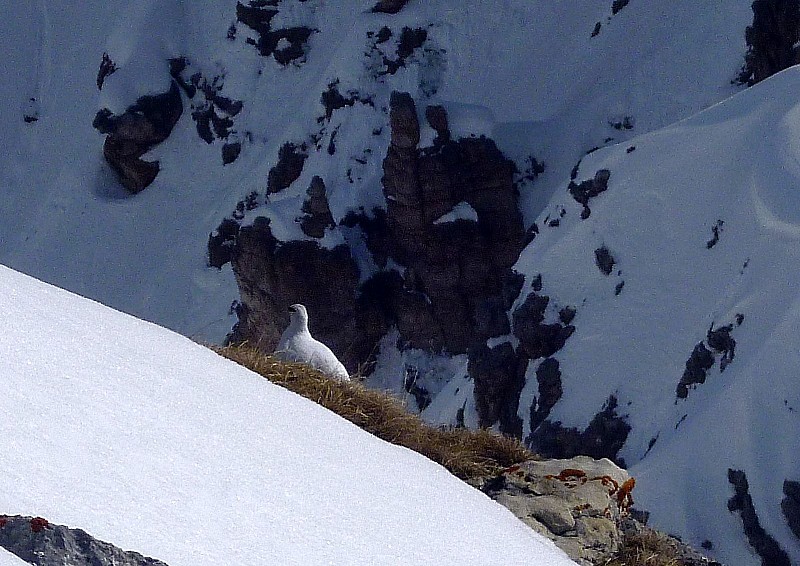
x=297 y=345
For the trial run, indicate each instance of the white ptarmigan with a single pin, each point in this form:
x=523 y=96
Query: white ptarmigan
x=297 y=345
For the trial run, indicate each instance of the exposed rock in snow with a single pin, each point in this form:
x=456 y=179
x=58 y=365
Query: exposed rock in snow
x=762 y=542
x=771 y=40
x=143 y=125
x=317 y=211
x=297 y=345
x=791 y=505
x=40 y=542
x=389 y=6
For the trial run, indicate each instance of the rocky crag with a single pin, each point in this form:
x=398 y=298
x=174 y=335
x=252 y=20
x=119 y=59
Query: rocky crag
x=585 y=506
x=37 y=541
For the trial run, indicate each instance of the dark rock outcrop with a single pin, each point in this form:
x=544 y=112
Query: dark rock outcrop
x=318 y=215
x=603 y=438
x=604 y=260
x=461 y=266
x=548 y=376
x=142 y=126
x=720 y=343
x=212 y=112
x=409 y=41
x=291 y=159
x=697 y=366
x=585 y=191
x=537 y=338
x=450 y=284
x=499 y=376
x=333 y=100
x=618 y=5
x=762 y=542
x=107 y=68
x=389 y=6
x=285 y=45
x=35 y=540
x=771 y=40
x=272 y=275
x=791 y=505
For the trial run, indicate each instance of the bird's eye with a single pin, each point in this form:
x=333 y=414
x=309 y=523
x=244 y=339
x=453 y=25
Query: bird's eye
x=292 y=309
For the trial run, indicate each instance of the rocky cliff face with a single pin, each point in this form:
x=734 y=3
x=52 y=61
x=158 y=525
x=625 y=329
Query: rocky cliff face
x=771 y=39
x=444 y=246
x=40 y=542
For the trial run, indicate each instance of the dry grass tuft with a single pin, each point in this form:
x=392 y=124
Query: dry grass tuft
x=647 y=548
x=466 y=453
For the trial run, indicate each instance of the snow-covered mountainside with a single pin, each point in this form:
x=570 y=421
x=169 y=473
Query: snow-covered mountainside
x=568 y=220
x=154 y=443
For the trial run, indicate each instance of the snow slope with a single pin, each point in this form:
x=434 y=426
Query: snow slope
x=154 y=443
x=8 y=559
x=736 y=168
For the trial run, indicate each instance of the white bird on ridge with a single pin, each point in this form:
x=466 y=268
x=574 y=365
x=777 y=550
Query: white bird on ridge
x=297 y=345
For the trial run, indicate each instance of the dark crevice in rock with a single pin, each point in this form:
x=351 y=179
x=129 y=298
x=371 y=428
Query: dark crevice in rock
x=772 y=40
x=585 y=191
x=603 y=438
x=35 y=540
x=421 y=395
x=762 y=542
x=791 y=505
x=291 y=159
x=142 y=126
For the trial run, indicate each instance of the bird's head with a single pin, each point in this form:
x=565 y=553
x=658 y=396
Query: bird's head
x=298 y=314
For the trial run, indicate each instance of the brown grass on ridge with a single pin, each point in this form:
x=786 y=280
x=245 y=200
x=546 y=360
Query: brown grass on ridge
x=646 y=548
x=466 y=453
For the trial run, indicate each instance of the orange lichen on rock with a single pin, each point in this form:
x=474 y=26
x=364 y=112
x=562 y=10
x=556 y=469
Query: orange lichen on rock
x=624 y=497
x=608 y=481
x=569 y=474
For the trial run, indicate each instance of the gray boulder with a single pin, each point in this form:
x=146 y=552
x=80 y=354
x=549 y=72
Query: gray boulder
x=35 y=540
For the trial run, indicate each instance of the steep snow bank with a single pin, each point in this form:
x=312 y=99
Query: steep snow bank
x=154 y=443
